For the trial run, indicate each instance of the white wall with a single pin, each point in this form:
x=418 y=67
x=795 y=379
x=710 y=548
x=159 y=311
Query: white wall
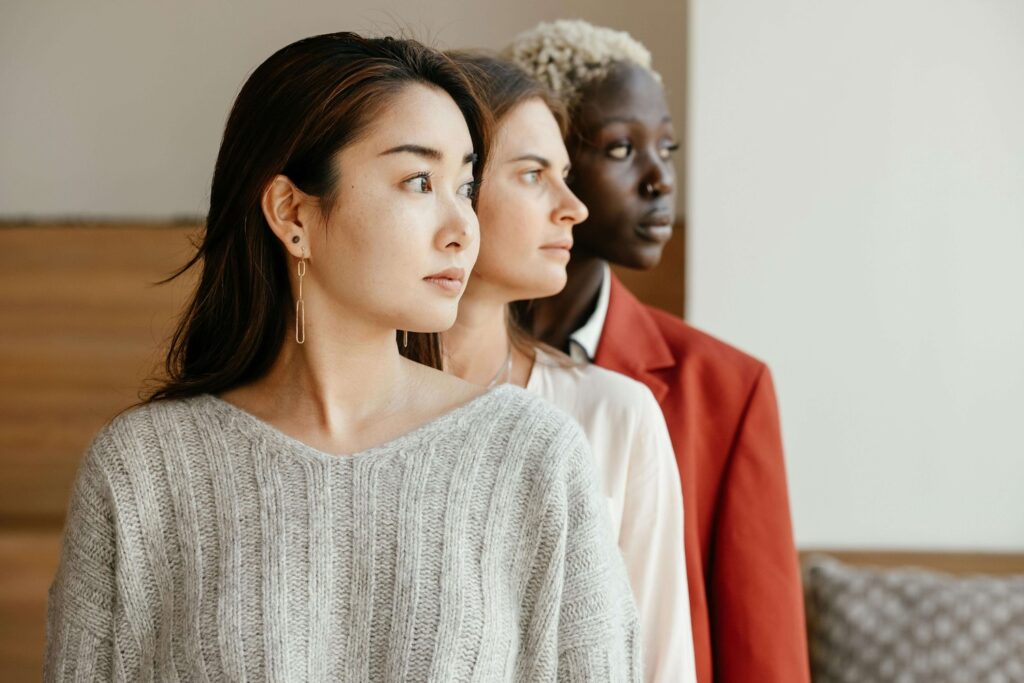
x=115 y=109
x=856 y=187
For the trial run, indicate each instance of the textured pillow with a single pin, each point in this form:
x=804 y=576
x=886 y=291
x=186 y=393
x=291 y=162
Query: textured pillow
x=912 y=626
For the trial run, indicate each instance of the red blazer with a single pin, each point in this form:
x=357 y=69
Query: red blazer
x=742 y=568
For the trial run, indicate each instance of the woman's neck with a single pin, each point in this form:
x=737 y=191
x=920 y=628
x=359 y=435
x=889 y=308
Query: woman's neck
x=554 y=319
x=478 y=348
x=347 y=374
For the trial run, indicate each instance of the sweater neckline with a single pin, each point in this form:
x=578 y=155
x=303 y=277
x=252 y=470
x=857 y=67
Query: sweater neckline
x=253 y=425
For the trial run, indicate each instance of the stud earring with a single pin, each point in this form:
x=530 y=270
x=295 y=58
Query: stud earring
x=405 y=339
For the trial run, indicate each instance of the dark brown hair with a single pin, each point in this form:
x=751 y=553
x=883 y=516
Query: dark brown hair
x=502 y=85
x=295 y=112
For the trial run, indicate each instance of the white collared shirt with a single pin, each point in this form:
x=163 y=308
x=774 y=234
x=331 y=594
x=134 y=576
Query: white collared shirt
x=639 y=477
x=583 y=342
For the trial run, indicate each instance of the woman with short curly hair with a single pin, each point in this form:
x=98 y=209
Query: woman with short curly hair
x=719 y=403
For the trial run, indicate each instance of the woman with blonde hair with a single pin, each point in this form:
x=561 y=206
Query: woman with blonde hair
x=527 y=215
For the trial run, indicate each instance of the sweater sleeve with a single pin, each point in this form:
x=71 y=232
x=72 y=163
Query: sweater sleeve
x=598 y=630
x=79 y=622
x=651 y=539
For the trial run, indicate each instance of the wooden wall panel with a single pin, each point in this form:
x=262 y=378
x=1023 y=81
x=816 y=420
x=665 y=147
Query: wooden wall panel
x=81 y=325
x=28 y=560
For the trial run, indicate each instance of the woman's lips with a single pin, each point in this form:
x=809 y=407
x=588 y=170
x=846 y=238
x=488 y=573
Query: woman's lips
x=560 y=249
x=656 y=228
x=450 y=280
x=655 y=233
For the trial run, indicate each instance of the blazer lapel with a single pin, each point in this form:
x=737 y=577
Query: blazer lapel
x=631 y=341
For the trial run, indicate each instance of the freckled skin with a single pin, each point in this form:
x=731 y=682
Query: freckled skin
x=620 y=146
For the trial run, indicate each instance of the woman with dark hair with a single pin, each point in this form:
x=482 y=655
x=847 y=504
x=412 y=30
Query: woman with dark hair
x=718 y=402
x=527 y=214
x=298 y=500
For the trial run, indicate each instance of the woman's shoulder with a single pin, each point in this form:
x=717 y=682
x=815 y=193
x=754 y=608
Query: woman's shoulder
x=615 y=388
x=587 y=389
x=524 y=425
x=517 y=409
x=146 y=426
x=147 y=415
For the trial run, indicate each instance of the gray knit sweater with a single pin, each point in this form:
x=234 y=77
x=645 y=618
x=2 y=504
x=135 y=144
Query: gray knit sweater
x=204 y=545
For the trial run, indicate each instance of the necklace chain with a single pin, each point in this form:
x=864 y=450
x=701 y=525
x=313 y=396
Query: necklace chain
x=504 y=372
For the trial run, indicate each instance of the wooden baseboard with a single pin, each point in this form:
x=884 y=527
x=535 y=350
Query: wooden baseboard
x=957 y=563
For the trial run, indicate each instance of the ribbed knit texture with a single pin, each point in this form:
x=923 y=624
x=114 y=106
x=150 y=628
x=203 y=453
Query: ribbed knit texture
x=204 y=545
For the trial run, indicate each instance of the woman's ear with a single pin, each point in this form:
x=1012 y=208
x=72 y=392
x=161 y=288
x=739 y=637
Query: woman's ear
x=281 y=203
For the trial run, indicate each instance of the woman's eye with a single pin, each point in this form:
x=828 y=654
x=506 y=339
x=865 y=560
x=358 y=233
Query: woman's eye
x=620 y=150
x=420 y=183
x=667 y=150
x=532 y=177
x=468 y=189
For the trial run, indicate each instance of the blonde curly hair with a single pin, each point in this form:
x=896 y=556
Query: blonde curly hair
x=568 y=54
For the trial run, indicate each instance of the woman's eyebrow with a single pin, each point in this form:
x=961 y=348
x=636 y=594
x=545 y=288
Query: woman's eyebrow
x=418 y=150
x=532 y=157
x=630 y=119
x=428 y=153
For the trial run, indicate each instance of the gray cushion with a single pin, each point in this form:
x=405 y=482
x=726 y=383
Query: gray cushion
x=912 y=626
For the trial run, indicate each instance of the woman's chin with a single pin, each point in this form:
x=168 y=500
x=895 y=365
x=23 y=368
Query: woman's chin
x=548 y=283
x=639 y=255
x=426 y=322
x=538 y=281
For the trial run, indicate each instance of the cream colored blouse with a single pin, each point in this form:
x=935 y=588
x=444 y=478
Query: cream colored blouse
x=638 y=475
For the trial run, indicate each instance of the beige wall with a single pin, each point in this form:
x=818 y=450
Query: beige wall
x=857 y=219
x=115 y=108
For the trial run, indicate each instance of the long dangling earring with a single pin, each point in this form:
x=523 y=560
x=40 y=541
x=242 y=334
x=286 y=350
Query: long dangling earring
x=300 y=307
x=405 y=339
